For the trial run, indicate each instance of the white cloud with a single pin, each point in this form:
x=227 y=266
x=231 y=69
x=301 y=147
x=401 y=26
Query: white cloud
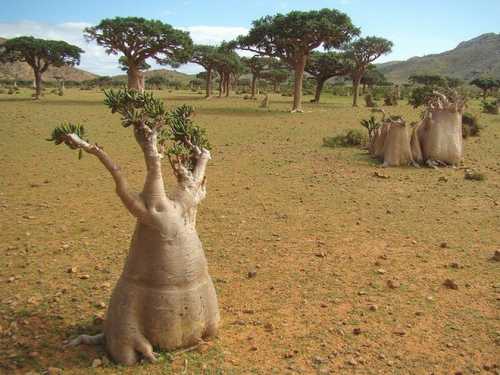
x=95 y=59
x=213 y=34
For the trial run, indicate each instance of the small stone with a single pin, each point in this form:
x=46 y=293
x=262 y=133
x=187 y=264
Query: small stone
x=72 y=270
x=84 y=277
x=450 y=284
x=393 y=284
x=100 y=305
x=399 y=332
x=65 y=246
x=380 y=175
x=321 y=254
x=414 y=242
x=33 y=354
x=381 y=271
x=251 y=274
x=254 y=348
x=352 y=362
x=361 y=293
x=373 y=307
x=96 y=363
x=356 y=331
x=268 y=327
x=319 y=360
x=454 y=265
x=54 y=371
x=443 y=245
x=443 y=179
x=496 y=256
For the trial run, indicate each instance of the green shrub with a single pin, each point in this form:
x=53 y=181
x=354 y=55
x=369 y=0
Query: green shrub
x=490 y=107
x=369 y=101
x=371 y=125
x=474 y=176
x=349 y=138
x=470 y=125
x=390 y=100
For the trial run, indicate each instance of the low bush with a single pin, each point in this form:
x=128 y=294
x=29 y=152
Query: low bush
x=349 y=138
x=470 y=125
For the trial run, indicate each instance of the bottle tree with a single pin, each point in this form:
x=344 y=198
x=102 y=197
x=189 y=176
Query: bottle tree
x=291 y=37
x=139 y=39
x=39 y=54
x=362 y=53
x=165 y=297
x=323 y=66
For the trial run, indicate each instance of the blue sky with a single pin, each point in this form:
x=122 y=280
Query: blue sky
x=416 y=27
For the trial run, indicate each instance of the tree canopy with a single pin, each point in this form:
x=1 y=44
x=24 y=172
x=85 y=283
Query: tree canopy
x=291 y=37
x=325 y=65
x=363 y=52
x=139 y=39
x=486 y=84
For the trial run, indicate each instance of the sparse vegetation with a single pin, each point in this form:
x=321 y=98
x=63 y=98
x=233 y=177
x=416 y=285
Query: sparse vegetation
x=470 y=125
x=349 y=138
x=491 y=107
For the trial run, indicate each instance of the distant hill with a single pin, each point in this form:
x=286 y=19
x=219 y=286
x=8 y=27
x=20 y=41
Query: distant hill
x=24 y=72
x=476 y=57
x=171 y=75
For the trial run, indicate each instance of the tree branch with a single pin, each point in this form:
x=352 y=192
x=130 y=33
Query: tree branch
x=154 y=188
x=131 y=201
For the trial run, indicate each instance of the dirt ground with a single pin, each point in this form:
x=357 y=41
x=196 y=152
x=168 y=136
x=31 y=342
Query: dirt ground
x=349 y=266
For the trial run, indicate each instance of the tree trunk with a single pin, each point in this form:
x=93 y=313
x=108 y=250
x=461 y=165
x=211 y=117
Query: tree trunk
x=297 y=87
x=228 y=84
x=254 y=85
x=319 y=87
x=164 y=297
x=275 y=86
x=355 y=90
x=38 y=84
x=485 y=94
x=363 y=90
x=135 y=79
x=208 y=90
x=221 y=85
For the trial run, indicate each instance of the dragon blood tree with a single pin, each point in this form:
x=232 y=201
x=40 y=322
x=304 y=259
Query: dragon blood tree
x=165 y=297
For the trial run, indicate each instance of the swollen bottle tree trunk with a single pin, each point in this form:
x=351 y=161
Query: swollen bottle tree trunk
x=437 y=139
x=165 y=297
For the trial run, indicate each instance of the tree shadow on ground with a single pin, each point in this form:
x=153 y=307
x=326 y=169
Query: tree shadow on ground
x=61 y=102
x=36 y=343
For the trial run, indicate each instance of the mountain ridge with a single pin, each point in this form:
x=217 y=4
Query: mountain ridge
x=479 y=56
